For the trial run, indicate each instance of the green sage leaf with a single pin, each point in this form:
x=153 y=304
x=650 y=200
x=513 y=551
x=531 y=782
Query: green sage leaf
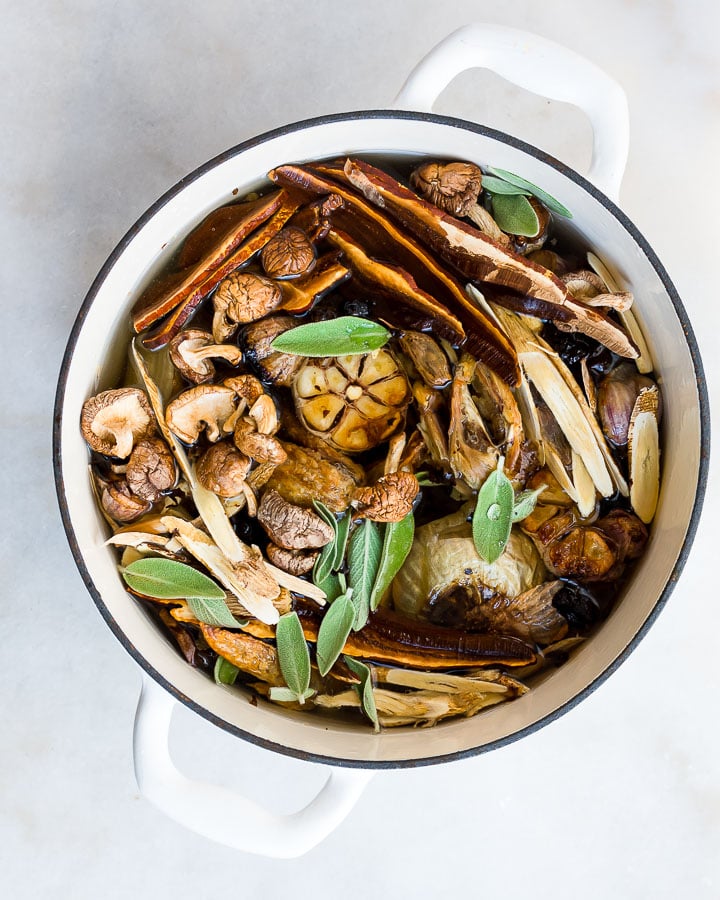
x=335 y=627
x=397 y=542
x=425 y=480
x=287 y=695
x=225 y=672
x=363 y=560
x=498 y=186
x=525 y=503
x=515 y=215
x=322 y=570
x=330 y=585
x=492 y=519
x=548 y=199
x=166 y=579
x=345 y=336
x=293 y=653
x=364 y=689
x=341 y=539
x=213 y=612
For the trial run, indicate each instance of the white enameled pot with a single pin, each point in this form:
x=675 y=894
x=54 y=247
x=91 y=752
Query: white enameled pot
x=96 y=351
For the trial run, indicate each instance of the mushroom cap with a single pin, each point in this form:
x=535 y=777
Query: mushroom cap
x=289 y=254
x=151 y=469
x=121 y=504
x=263 y=448
x=390 y=499
x=242 y=297
x=207 y=406
x=222 y=469
x=454 y=187
x=296 y=562
x=276 y=367
x=290 y=526
x=112 y=421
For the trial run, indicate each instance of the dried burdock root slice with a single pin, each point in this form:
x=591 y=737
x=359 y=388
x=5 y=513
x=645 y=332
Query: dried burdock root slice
x=644 y=454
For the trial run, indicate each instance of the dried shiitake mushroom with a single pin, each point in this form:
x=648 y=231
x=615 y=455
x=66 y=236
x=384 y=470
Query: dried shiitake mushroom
x=288 y=255
x=205 y=407
x=390 y=499
x=112 y=421
x=151 y=469
x=192 y=352
x=292 y=527
x=242 y=297
x=222 y=469
x=121 y=504
x=454 y=186
x=277 y=368
x=296 y=562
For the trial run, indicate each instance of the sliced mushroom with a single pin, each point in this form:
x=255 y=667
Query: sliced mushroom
x=192 y=352
x=222 y=469
x=289 y=254
x=275 y=367
x=472 y=454
x=429 y=403
x=112 y=421
x=121 y=504
x=390 y=499
x=264 y=415
x=290 y=526
x=205 y=407
x=242 y=297
x=427 y=357
x=151 y=469
x=590 y=288
x=296 y=562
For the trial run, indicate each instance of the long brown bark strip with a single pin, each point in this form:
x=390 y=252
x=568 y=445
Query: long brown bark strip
x=159 y=305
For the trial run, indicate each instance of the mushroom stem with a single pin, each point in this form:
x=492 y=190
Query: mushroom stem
x=485 y=222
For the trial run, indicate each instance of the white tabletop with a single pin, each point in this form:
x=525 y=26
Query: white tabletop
x=106 y=105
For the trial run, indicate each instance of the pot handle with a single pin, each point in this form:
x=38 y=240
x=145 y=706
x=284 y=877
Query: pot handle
x=220 y=814
x=540 y=66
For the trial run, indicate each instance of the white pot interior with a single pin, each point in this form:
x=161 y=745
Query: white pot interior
x=100 y=349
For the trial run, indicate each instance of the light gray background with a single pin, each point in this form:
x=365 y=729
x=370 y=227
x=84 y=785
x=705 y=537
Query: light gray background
x=106 y=105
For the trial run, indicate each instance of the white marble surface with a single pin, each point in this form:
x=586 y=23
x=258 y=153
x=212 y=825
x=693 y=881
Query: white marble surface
x=104 y=106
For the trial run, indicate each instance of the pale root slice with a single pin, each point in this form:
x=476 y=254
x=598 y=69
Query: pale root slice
x=423 y=708
x=246 y=581
x=556 y=466
x=566 y=409
x=490 y=681
x=584 y=486
x=588 y=386
x=533 y=342
x=643 y=361
x=644 y=454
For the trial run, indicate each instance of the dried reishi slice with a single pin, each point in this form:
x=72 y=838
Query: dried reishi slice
x=381 y=238
x=644 y=454
x=355 y=402
x=301 y=295
x=476 y=255
x=157 y=302
x=187 y=307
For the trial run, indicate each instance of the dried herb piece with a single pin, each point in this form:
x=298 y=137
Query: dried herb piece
x=397 y=542
x=294 y=657
x=334 y=630
x=497 y=186
x=344 y=336
x=364 y=689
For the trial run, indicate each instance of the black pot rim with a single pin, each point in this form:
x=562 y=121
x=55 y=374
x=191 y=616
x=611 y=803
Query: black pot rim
x=704 y=436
